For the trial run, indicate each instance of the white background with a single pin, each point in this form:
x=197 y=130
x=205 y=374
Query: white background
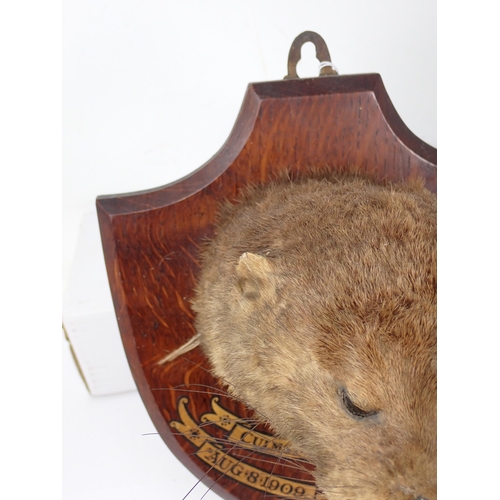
x=151 y=90
x=131 y=85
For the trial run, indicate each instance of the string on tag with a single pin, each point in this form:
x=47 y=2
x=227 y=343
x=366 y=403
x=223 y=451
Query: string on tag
x=325 y=64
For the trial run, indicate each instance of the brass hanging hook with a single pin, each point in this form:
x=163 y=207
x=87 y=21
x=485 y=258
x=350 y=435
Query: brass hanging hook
x=322 y=54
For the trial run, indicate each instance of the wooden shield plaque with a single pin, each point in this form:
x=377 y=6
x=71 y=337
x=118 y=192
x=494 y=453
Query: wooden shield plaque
x=151 y=243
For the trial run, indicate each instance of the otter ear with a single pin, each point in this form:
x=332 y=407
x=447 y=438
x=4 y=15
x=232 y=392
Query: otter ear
x=255 y=276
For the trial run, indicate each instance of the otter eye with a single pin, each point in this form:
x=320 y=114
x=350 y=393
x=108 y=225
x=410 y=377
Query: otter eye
x=354 y=410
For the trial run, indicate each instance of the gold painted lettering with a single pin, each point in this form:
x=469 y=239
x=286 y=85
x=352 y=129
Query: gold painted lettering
x=212 y=454
x=254 y=477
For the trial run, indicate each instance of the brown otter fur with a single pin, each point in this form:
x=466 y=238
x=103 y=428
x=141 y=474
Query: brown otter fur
x=317 y=306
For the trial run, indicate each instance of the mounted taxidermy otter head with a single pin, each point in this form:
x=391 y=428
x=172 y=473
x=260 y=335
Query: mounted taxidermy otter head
x=317 y=307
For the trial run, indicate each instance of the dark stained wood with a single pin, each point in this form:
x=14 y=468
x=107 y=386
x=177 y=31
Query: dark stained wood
x=151 y=239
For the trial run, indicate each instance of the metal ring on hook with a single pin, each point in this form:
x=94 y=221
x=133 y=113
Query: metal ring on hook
x=322 y=54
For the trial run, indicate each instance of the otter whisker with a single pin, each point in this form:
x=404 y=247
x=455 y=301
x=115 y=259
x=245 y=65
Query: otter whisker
x=272 y=473
x=206 y=370
x=221 y=393
x=293 y=462
x=194 y=391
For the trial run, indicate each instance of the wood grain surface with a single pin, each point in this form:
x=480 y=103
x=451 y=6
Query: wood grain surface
x=151 y=242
